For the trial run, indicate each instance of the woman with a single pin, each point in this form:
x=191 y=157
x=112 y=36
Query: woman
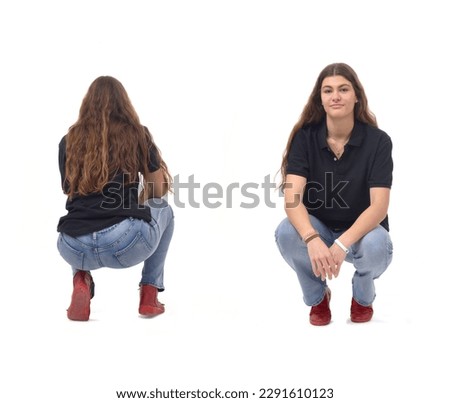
x=115 y=178
x=336 y=177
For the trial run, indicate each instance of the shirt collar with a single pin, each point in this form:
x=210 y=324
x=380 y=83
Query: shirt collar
x=356 y=137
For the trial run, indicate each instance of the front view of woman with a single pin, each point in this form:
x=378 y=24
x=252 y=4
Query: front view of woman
x=336 y=178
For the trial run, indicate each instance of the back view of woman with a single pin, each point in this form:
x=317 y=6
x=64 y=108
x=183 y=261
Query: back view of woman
x=114 y=178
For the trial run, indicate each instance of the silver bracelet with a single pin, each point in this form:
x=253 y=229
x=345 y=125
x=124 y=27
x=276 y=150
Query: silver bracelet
x=341 y=245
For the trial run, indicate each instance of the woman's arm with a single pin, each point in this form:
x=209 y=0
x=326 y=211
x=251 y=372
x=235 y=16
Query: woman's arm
x=367 y=221
x=369 y=218
x=157 y=183
x=295 y=210
x=322 y=261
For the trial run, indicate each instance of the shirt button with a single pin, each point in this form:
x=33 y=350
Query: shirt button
x=335 y=158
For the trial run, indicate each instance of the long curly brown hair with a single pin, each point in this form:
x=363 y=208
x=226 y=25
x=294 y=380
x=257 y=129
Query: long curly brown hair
x=108 y=139
x=314 y=113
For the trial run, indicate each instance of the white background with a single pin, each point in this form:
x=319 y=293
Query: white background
x=220 y=85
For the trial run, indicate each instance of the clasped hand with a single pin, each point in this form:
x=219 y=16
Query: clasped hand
x=326 y=262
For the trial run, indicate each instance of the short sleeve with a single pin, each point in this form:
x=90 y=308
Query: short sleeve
x=154 y=160
x=297 y=160
x=382 y=168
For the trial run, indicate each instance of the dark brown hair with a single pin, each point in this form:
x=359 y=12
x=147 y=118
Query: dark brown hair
x=314 y=113
x=108 y=139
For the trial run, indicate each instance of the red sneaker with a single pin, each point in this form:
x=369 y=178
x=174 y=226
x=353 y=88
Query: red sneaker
x=83 y=286
x=360 y=313
x=320 y=314
x=149 y=304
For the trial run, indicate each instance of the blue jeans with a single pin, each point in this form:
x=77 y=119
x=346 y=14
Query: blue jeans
x=370 y=256
x=125 y=244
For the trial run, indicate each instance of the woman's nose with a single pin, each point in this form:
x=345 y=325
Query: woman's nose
x=336 y=96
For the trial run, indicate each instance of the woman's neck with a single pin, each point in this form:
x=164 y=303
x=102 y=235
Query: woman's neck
x=340 y=129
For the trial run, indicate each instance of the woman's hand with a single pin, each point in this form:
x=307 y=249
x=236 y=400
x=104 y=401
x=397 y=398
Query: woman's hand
x=322 y=260
x=338 y=257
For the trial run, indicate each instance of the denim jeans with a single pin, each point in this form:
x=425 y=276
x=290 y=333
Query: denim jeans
x=370 y=256
x=125 y=244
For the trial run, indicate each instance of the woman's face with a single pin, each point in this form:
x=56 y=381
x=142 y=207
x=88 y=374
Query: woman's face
x=338 y=97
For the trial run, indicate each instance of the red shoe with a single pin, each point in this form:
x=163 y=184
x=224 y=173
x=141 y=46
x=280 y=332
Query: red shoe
x=149 y=304
x=83 y=291
x=360 y=313
x=320 y=315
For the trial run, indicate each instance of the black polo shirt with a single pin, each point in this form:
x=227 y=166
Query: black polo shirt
x=337 y=190
x=96 y=211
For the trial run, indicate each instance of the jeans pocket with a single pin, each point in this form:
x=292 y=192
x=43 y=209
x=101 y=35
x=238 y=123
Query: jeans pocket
x=71 y=255
x=134 y=253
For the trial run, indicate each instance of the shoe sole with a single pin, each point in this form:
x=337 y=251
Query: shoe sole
x=150 y=311
x=320 y=324
x=360 y=320
x=80 y=307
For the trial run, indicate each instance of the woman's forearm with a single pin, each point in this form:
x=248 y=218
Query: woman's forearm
x=369 y=218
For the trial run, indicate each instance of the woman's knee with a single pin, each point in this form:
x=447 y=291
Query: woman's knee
x=376 y=246
x=377 y=238
x=286 y=236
